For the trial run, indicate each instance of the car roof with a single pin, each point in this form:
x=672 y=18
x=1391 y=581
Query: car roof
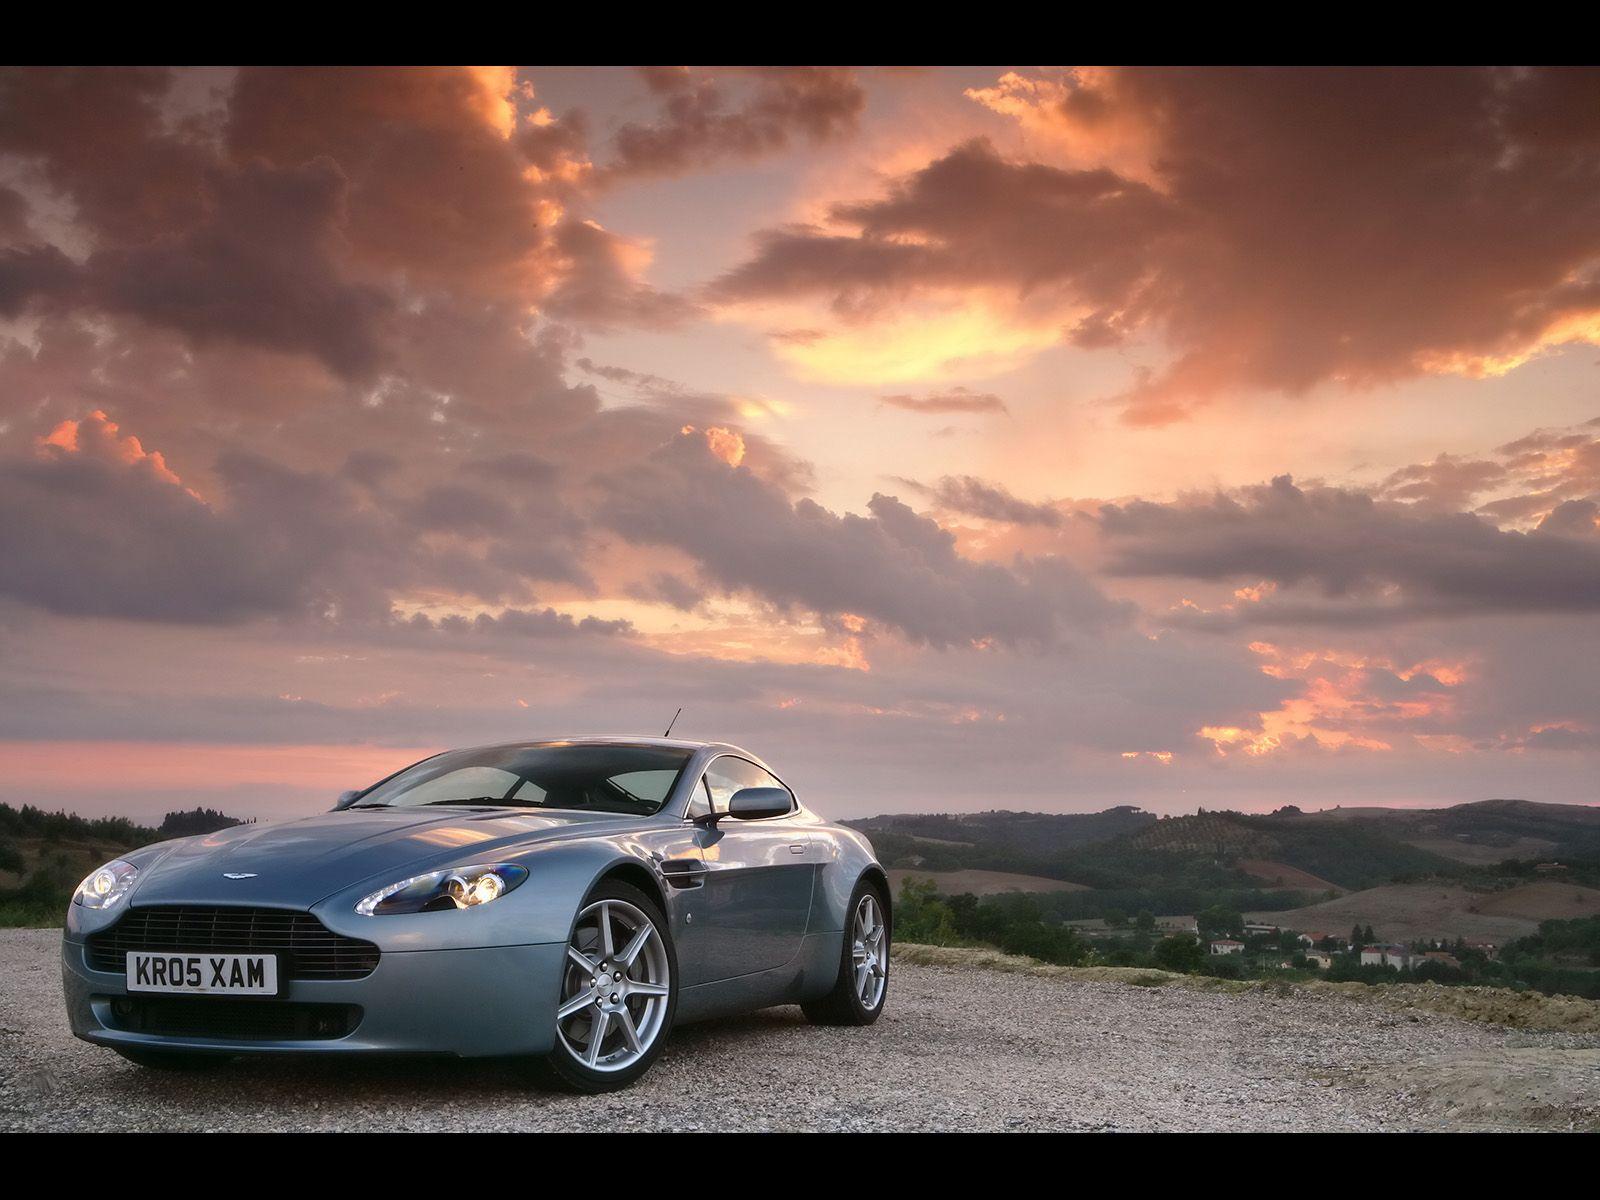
x=589 y=740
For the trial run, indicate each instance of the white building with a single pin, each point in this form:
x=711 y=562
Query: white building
x=1396 y=958
x=1227 y=946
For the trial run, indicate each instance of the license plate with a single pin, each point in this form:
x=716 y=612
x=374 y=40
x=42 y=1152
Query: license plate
x=203 y=974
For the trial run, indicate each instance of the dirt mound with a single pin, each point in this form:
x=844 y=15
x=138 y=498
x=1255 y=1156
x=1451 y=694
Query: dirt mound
x=1525 y=1086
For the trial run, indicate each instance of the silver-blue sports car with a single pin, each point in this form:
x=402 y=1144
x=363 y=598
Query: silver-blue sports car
x=565 y=902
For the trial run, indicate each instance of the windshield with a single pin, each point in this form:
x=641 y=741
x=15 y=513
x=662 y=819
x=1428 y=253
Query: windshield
x=635 y=780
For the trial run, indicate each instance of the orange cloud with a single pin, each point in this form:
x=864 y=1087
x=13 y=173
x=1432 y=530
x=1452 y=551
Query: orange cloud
x=726 y=444
x=98 y=436
x=1341 y=704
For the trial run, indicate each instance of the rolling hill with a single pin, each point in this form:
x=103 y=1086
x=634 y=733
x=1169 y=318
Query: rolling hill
x=1470 y=870
x=1407 y=912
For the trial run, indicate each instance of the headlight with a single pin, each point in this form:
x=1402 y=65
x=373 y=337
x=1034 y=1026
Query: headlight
x=439 y=891
x=107 y=885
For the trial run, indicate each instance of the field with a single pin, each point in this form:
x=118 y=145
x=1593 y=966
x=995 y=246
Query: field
x=984 y=883
x=1283 y=875
x=1405 y=912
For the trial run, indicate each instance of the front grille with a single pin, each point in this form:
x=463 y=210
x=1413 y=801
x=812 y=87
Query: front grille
x=233 y=1020
x=306 y=948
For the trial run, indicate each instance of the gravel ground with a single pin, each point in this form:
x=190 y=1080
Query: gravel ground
x=958 y=1048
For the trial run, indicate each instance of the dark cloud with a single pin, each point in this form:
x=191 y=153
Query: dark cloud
x=664 y=587
x=523 y=623
x=599 y=287
x=436 y=190
x=100 y=137
x=1290 y=229
x=32 y=273
x=91 y=538
x=711 y=115
x=313 y=212
x=1377 y=559
x=260 y=268
x=892 y=566
x=972 y=497
x=1448 y=482
x=98 y=526
x=955 y=400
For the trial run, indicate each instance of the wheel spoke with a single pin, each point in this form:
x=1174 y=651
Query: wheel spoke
x=629 y=1033
x=635 y=944
x=636 y=988
x=577 y=1004
x=585 y=963
x=607 y=946
x=602 y=1024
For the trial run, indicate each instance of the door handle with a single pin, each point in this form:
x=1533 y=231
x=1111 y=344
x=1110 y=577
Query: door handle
x=797 y=847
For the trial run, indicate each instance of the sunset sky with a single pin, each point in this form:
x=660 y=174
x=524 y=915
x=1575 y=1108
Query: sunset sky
x=1009 y=437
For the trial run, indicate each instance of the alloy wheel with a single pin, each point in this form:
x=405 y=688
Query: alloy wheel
x=869 y=952
x=615 y=987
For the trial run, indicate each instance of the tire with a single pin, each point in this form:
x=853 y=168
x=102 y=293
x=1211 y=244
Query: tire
x=649 y=1014
x=171 y=1060
x=851 y=1001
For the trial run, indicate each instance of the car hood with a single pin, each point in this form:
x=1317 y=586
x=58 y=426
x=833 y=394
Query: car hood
x=300 y=862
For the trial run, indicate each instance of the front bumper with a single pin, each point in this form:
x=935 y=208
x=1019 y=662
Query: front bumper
x=469 y=1002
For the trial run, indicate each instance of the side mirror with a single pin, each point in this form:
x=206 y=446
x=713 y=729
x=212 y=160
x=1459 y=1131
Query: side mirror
x=753 y=803
x=345 y=800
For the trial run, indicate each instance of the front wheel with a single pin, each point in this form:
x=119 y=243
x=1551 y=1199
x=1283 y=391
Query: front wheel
x=619 y=990
x=863 y=984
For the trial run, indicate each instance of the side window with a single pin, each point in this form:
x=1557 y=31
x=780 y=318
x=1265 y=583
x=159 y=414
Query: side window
x=699 y=802
x=727 y=775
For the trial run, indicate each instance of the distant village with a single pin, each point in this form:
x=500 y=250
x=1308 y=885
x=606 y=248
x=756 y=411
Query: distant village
x=1268 y=945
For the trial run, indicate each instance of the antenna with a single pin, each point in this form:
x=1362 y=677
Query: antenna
x=673 y=722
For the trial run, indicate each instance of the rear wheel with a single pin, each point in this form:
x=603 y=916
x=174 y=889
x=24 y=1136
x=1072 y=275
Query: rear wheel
x=863 y=984
x=171 y=1060
x=619 y=991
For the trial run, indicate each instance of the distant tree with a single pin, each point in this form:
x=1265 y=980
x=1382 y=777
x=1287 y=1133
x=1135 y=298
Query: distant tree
x=1367 y=936
x=201 y=820
x=1145 y=922
x=1355 y=936
x=922 y=916
x=1219 y=918
x=1180 y=952
x=1116 y=918
x=1288 y=810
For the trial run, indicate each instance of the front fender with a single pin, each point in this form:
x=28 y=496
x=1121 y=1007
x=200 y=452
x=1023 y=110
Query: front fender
x=81 y=921
x=850 y=857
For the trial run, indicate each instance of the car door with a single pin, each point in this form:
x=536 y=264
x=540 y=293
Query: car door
x=758 y=879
